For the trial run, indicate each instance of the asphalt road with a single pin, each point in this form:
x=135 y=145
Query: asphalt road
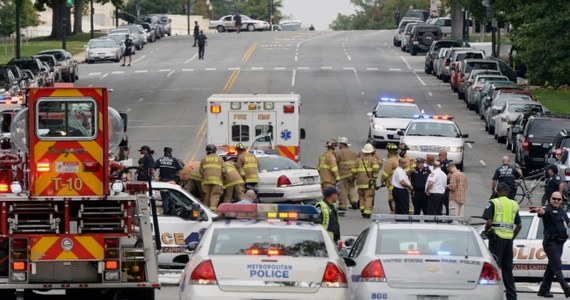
x=339 y=75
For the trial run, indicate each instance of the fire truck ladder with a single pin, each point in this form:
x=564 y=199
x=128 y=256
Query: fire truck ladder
x=102 y=216
x=33 y=217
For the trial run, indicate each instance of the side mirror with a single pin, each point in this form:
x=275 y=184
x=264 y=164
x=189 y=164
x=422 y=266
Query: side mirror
x=465 y=135
x=400 y=133
x=369 y=115
x=192 y=246
x=303 y=133
x=349 y=261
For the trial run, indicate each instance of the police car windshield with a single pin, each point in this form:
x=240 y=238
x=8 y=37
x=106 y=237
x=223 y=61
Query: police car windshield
x=396 y=111
x=427 y=242
x=438 y=129
x=276 y=163
x=268 y=241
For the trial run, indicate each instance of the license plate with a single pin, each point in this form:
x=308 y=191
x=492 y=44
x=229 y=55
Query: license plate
x=433 y=297
x=308 y=180
x=416 y=42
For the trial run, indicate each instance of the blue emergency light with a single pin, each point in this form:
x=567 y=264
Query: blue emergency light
x=434 y=117
x=402 y=100
x=284 y=212
x=9 y=100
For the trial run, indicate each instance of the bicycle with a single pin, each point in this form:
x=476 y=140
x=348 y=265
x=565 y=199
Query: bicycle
x=524 y=191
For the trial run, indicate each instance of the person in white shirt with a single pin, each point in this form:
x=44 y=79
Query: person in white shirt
x=435 y=189
x=402 y=186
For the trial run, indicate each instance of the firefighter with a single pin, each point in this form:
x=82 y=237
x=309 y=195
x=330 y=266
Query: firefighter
x=411 y=162
x=389 y=167
x=196 y=182
x=366 y=169
x=247 y=163
x=212 y=169
x=328 y=169
x=233 y=183
x=346 y=158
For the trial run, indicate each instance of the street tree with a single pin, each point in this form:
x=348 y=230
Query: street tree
x=28 y=16
x=375 y=14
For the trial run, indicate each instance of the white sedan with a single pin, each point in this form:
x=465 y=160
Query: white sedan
x=282 y=179
x=227 y=23
x=259 y=256
x=509 y=112
x=389 y=116
x=413 y=259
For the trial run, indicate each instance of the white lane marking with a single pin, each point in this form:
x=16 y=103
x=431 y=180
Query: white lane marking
x=187 y=70
x=406 y=62
x=349 y=58
x=191 y=58
x=164 y=70
x=293 y=77
x=362 y=93
x=439 y=105
x=141 y=99
x=296 y=58
x=117 y=72
x=141 y=71
x=128 y=109
x=104 y=75
x=371 y=69
x=357 y=78
x=483 y=162
x=419 y=70
x=233 y=69
x=309 y=39
x=429 y=93
x=395 y=69
x=326 y=68
x=418 y=76
x=94 y=73
x=256 y=68
x=302 y=68
x=469 y=145
x=210 y=69
x=139 y=59
x=280 y=68
x=172 y=72
x=349 y=68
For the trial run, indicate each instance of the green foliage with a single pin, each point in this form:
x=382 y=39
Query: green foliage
x=28 y=16
x=375 y=14
x=557 y=101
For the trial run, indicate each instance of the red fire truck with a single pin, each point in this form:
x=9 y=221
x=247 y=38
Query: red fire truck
x=60 y=225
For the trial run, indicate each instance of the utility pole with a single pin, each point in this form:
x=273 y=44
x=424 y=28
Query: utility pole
x=18 y=25
x=91 y=19
x=137 y=7
x=66 y=14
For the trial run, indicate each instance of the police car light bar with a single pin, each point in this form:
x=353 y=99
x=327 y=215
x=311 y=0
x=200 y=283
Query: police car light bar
x=268 y=211
x=418 y=218
x=10 y=100
x=434 y=117
x=403 y=100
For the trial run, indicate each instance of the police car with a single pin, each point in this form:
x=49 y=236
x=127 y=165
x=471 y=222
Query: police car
x=389 y=116
x=529 y=259
x=265 y=251
x=404 y=257
x=430 y=134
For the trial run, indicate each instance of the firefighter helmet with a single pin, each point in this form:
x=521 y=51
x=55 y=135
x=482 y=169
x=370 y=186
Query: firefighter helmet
x=211 y=148
x=241 y=146
x=392 y=148
x=368 y=148
x=331 y=143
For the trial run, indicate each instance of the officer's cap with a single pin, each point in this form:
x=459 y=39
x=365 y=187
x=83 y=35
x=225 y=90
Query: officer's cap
x=503 y=187
x=167 y=150
x=420 y=160
x=331 y=190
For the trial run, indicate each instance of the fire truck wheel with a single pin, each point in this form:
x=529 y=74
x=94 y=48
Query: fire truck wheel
x=8 y=294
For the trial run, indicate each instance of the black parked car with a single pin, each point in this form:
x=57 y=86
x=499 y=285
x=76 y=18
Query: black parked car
x=536 y=138
x=50 y=60
x=560 y=143
x=422 y=36
x=33 y=64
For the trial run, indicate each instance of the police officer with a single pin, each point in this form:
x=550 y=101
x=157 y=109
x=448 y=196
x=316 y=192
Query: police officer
x=247 y=165
x=502 y=227
x=553 y=183
x=389 y=167
x=168 y=168
x=329 y=216
x=506 y=174
x=365 y=171
x=419 y=178
x=327 y=167
x=212 y=169
x=555 y=221
x=346 y=158
x=145 y=162
x=233 y=183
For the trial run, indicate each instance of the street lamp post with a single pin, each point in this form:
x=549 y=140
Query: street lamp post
x=91 y=19
x=18 y=37
x=188 y=8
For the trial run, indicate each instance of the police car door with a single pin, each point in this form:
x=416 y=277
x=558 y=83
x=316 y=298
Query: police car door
x=521 y=247
x=537 y=259
x=241 y=127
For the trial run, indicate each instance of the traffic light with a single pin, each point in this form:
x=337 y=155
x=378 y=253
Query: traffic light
x=69 y=2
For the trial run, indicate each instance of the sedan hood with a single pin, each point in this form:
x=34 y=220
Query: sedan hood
x=393 y=122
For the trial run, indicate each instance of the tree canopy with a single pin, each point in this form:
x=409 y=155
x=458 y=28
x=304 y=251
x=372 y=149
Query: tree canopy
x=28 y=16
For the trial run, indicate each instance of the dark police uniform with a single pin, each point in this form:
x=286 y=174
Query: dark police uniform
x=551 y=186
x=169 y=167
x=419 y=197
x=146 y=162
x=555 y=222
x=507 y=174
x=201 y=45
x=501 y=238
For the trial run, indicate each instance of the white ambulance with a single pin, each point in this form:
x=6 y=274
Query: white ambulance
x=268 y=122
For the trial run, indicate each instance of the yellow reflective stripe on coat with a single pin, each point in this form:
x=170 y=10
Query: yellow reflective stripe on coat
x=213 y=166
x=235 y=182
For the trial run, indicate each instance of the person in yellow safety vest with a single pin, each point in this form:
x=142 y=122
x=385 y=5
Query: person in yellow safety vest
x=233 y=183
x=346 y=158
x=327 y=167
x=329 y=216
x=212 y=169
x=249 y=164
x=365 y=170
x=411 y=162
x=502 y=227
x=389 y=167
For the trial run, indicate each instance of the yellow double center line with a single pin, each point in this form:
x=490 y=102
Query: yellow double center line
x=249 y=52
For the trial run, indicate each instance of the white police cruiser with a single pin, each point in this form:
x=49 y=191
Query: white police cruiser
x=389 y=116
x=265 y=251
x=430 y=134
x=405 y=257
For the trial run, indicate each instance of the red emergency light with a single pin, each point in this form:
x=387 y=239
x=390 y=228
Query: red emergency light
x=289 y=109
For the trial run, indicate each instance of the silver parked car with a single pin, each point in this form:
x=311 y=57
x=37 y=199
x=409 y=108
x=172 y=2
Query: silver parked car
x=102 y=49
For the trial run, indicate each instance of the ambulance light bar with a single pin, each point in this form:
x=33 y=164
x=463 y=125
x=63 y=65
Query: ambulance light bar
x=252 y=106
x=235 y=105
x=284 y=212
x=401 y=100
x=434 y=117
x=215 y=108
x=269 y=105
x=288 y=109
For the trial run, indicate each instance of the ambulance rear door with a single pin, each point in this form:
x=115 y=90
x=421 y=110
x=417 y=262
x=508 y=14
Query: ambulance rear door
x=240 y=126
x=263 y=126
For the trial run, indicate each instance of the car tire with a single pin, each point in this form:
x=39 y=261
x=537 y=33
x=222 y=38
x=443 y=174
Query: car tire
x=395 y=42
x=461 y=95
x=413 y=51
x=250 y=27
x=492 y=130
x=507 y=144
x=426 y=70
x=221 y=28
x=88 y=61
x=501 y=139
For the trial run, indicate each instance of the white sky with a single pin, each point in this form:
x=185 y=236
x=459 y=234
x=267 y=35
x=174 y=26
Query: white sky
x=320 y=13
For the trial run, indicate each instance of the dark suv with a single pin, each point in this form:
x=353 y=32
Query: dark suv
x=536 y=138
x=422 y=36
x=560 y=143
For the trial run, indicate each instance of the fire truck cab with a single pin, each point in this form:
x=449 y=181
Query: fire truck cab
x=268 y=122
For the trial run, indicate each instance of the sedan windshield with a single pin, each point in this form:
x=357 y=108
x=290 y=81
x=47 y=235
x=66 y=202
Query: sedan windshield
x=102 y=44
x=438 y=129
x=276 y=163
x=396 y=111
x=427 y=242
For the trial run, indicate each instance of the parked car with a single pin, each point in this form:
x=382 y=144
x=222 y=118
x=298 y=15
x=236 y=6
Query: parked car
x=515 y=128
x=561 y=142
x=421 y=14
x=473 y=91
x=166 y=24
x=68 y=65
x=153 y=21
x=55 y=69
x=399 y=31
x=50 y=77
x=151 y=32
x=19 y=75
x=439 y=62
x=434 y=51
x=227 y=23
x=456 y=62
x=133 y=32
x=469 y=65
x=509 y=112
x=495 y=108
x=536 y=138
x=489 y=92
x=446 y=70
x=30 y=78
x=405 y=36
x=444 y=23
x=119 y=40
x=8 y=82
x=102 y=50
x=34 y=65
